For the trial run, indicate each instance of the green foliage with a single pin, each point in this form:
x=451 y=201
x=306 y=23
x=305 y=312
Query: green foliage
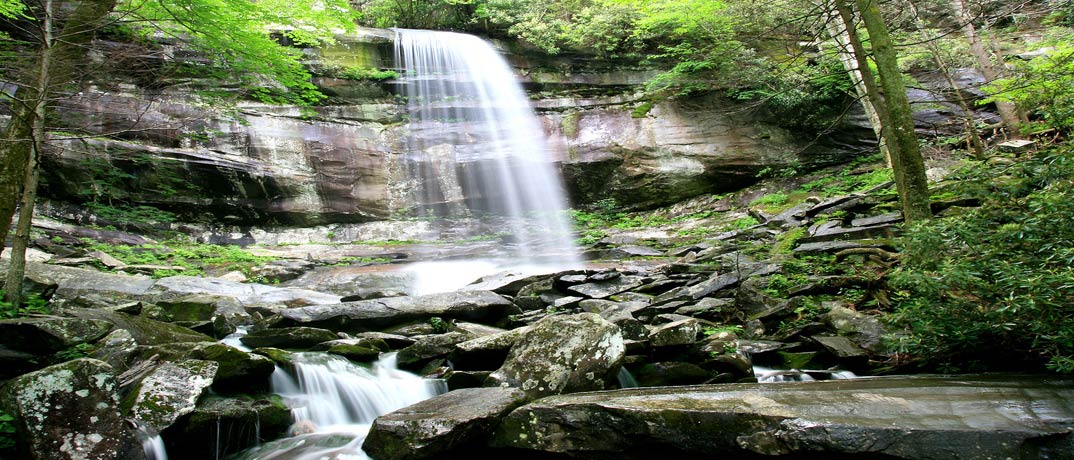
x=770 y=201
x=1044 y=84
x=713 y=330
x=194 y=258
x=995 y=285
x=78 y=351
x=366 y=73
x=426 y=14
x=7 y=431
x=848 y=182
x=233 y=35
x=33 y=304
x=741 y=223
x=810 y=96
x=131 y=214
x=601 y=26
x=439 y=325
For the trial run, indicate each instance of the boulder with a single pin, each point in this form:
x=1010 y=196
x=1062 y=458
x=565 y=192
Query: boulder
x=47 y=335
x=429 y=347
x=480 y=306
x=281 y=270
x=681 y=332
x=170 y=391
x=865 y=331
x=488 y=352
x=70 y=411
x=602 y=288
x=145 y=331
x=219 y=426
x=670 y=373
x=288 y=337
x=911 y=418
x=446 y=424
x=563 y=354
x=117 y=349
x=238 y=370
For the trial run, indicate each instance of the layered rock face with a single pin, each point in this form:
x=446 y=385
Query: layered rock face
x=348 y=162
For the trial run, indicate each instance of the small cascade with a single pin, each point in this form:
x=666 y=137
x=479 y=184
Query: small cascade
x=235 y=338
x=476 y=150
x=334 y=403
x=626 y=379
x=153 y=446
x=767 y=375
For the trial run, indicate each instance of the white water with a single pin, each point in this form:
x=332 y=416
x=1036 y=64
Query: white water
x=154 y=448
x=331 y=395
x=476 y=149
x=767 y=375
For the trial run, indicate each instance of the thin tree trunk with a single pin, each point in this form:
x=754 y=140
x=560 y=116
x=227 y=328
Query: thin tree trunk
x=13 y=283
x=64 y=51
x=907 y=165
x=973 y=138
x=1007 y=110
x=838 y=29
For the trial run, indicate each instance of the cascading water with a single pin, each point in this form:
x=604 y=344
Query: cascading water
x=477 y=151
x=334 y=403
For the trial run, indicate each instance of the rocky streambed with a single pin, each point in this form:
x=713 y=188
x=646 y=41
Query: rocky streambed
x=536 y=362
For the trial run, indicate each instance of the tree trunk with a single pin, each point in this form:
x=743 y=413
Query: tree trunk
x=909 y=167
x=973 y=138
x=892 y=107
x=63 y=51
x=839 y=31
x=1007 y=110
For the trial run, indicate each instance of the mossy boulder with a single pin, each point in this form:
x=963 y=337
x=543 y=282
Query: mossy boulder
x=70 y=411
x=288 y=337
x=563 y=354
x=238 y=370
x=145 y=331
x=171 y=391
x=446 y=424
x=47 y=335
x=429 y=347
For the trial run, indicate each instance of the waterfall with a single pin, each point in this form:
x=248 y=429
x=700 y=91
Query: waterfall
x=476 y=150
x=334 y=402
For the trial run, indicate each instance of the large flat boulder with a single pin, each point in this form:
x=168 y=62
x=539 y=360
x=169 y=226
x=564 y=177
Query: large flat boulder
x=481 y=306
x=447 y=423
x=927 y=417
x=170 y=391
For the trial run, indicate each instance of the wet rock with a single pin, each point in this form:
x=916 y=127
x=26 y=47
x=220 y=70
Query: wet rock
x=488 y=352
x=238 y=370
x=476 y=330
x=670 y=373
x=145 y=331
x=170 y=391
x=394 y=341
x=833 y=231
x=281 y=270
x=507 y=283
x=480 y=306
x=223 y=426
x=429 y=347
x=864 y=330
x=449 y=423
x=711 y=309
x=282 y=358
x=74 y=282
x=47 y=335
x=602 y=288
x=915 y=418
x=117 y=349
x=288 y=337
x=70 y=411
x=621 y=314
x=529 y=297
x=246 y=293
x=563 y=354
x=682 y=332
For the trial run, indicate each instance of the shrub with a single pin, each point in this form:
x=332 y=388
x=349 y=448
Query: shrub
x=994 y=287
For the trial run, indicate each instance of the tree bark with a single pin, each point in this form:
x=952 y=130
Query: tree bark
x=1008 y=112
x=892 y=107
x=64 y=51
x=973 y=138
x=839 y=31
